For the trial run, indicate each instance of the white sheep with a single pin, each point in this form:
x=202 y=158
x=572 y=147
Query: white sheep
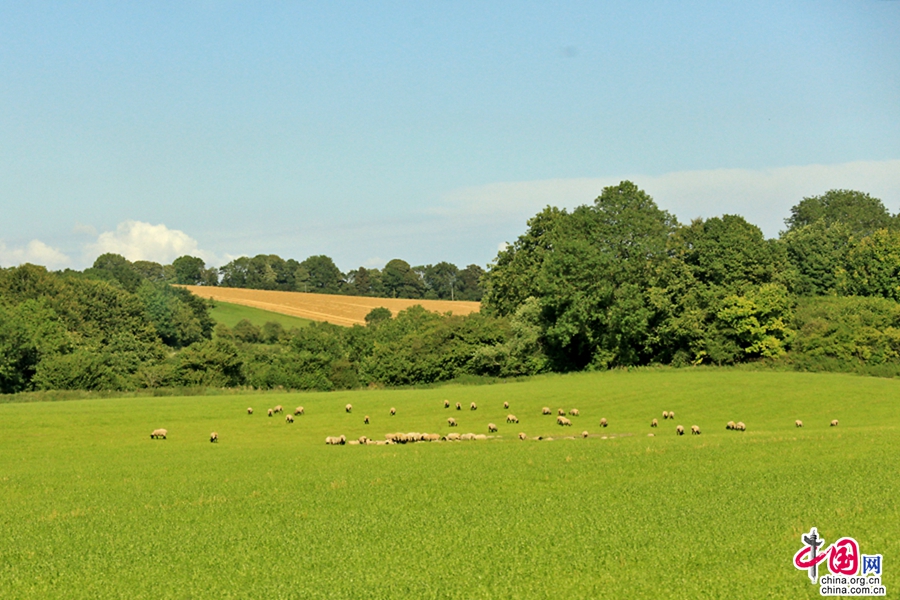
x=679 y=430
x=492 y=428
x=159 y=433
x=335 y=441
x=446 y=404
x=665 y=415
x=271 y=412
x=546 y=410
x=458 y=406
x=506 y=406
x=366 y=420
x=348 y=408
x=512 y=419
x=278 y=409
x=214 y=437
x=695 y=430
x=834 y=423
x=730 y=425
x=522 y=436
x=798 y=423
x=289 y=419
x=473 y=406
x=451 y=422
x=739 y=426
x=393 y=411
x=452 y=437
x=561 y=412
x=603 y=422
x=249 y=411
x=299 y=410
x=584 y=434
x=654 y=423
x=574 y=412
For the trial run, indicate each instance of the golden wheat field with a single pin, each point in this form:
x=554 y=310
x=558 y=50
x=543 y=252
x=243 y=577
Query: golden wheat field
x=339 y=310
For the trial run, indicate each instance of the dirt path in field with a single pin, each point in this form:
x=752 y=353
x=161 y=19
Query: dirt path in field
x=340 y=310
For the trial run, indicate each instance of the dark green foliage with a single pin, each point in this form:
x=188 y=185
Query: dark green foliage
x=324 y=276
x=189 y=270
x=246 y=331
x=860 y=212
x=872 y=266
x=401 y=281
x=377 y=316
x=211 y=363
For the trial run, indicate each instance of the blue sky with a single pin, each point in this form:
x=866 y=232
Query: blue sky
x=371 y=131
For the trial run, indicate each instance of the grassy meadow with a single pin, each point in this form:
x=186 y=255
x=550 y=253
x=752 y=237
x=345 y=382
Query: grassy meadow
x=92 y=508
x=232 y=314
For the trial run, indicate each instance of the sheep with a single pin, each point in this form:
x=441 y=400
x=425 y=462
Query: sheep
x=473 y=406
x=561 y=412
x=289 y=419
x=271 y=412
x=665 y=415
x=249 y=411
x=446 y=404
x=506 y=406
x=366 y=419
x=467 y=437
x=584 y=434
x=574 y=412
x=679 y=430
x=739 y=426
x=603 y=422
x=522 y=436
x=353 y=442
x=730 y=425
x=695 y=430
x=512 y=419
x=479 y=436
x=363 y=440
x=452 y=437
x=278 y=409
x=458 y=406
x=158 y=433
x=393 y=411
x=451 y=422
x=492 y=428
x=546 y=410
x=834 y=423
x=432 y=437
x=798 y=423
x=563 y=422
x=214 y=437
x=654 y=423
x=672 y=414
x=298 y=410
x=335 y=441
x=348 y=408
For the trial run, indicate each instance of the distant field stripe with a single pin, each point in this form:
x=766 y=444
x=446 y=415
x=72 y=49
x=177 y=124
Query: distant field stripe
x=340 y=310
x=231 y=314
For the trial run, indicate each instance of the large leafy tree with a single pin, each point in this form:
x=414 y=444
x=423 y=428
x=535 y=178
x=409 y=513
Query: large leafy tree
x=859 y=211
x=324 y=276
x=400 y=280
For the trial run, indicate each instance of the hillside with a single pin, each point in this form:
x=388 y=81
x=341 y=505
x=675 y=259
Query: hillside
x=339 y=310
x=231 y=314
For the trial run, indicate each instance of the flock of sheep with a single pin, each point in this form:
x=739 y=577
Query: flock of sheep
x=404 y=438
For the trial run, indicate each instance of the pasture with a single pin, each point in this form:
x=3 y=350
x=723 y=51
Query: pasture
x=335 y=309
x=93 y=508
x=232 y=314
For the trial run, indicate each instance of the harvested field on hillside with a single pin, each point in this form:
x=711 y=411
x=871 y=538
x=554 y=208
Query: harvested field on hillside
x=339 y=310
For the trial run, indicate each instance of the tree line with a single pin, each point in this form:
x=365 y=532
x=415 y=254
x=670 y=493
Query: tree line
x=615 y=283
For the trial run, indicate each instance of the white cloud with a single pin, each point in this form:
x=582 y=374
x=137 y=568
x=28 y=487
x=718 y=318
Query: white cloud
x=136 y=240
x=764 y=196
x=35 y=252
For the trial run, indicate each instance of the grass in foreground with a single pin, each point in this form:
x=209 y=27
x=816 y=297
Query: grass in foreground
x=93 y=508
x=232 y=314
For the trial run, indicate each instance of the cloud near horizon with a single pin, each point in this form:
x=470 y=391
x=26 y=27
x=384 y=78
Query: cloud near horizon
x=136 y=240
x=35 y=252
x=763 y=196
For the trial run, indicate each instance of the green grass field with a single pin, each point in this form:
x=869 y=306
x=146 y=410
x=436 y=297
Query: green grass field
x=231 y=315
x=92 y=508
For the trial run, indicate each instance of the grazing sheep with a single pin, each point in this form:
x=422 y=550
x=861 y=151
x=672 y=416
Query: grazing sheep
x=393 y=411
x=603 y=422
x=335 y=441
x=289 y=419
x=353 y=442
x=299 y=410
x=249 y=411
x=271 y=412
x=695 y=430
x=650 y=435
x=349 y=408
x=506 y=406
x=560 y=412
x=479 y=436
x=278 y=409
x=522 y=436
x=446 y=404
x=473 y=406
x=458 y=406
x=546 y=410
x=451 y=422
x=739 y=426
x=158 y=433
x=563 y=421
x=834 y=423
x=214 y=437
x=492 y=428
x=672 y=414
x=730 y=425
x=798 y=423
x=654 y=423
x=679 y=430
x=665 y=415
x=366 y=420
x=452 y=437
x=584 y=434
x=574 y=412
x=467 y=437
x=432 y=437
x=512 y=419
x=363 y=440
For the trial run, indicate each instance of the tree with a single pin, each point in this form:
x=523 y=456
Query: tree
x=441 y=280
x=324 y=276
x=115 y=267
x=469 y=283
x=400 y=280
x=861 y=213
x=189 y=270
